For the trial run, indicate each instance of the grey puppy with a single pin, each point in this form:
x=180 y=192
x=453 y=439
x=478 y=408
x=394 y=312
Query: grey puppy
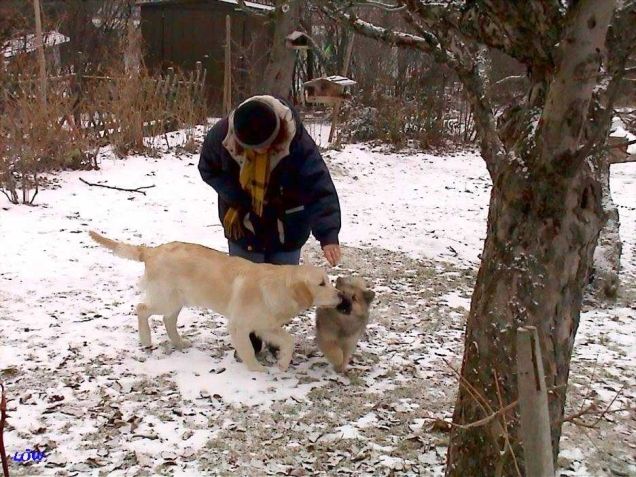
x=339 y=329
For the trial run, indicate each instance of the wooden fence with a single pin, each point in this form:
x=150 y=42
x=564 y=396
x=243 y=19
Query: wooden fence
x=162 y=102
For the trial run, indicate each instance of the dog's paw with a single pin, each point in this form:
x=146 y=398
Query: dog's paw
x=284 y=362
x=257 y=368
x=341 y=369
x=145 y=341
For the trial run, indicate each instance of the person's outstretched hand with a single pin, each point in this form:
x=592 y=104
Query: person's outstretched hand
x=332 y=254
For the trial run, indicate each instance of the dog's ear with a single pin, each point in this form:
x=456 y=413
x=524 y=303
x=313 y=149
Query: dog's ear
x=302 y=295
x=368 y=295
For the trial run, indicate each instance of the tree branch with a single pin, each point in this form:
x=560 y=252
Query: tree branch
x=520 y=80
x=621 y=45
x=485 y=420
x=568 y=97
x=524 y=30
x=492 y=148
x=395 y=38
x=380 y=5
x=447 y=46
x=138 y=189
x=251 y=11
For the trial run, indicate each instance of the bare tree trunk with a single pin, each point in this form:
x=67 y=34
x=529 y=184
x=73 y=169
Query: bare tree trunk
x=132 y=53
x=545 y=211
x=278 y=75
x=534 y=265
x=544 y=220
x=607 y=256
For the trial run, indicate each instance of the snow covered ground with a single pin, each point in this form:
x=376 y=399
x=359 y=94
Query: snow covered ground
x=80 y=386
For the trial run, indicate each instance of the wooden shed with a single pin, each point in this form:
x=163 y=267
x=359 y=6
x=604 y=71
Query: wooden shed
x=179 y=33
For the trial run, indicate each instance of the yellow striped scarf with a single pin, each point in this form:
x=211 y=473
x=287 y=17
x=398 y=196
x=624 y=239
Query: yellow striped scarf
x=254 y=178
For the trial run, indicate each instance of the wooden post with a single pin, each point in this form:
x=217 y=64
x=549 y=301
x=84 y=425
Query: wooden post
x=39 y=43
x=533 y=405
x=345 y=70
x=227 y=84
x=3 y=418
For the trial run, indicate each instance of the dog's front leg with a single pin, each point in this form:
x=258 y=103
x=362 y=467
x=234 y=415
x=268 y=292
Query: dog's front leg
x=241 y=341
x=285 y=343
x=333 y=352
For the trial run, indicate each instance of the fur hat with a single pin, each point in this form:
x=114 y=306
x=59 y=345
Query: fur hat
x=256 y=124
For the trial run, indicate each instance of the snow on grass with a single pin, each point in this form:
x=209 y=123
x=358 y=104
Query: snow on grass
x=80 y=385
x=417 y=204
x=227 y=380
x=623 y=185
x=618 y=130
x=455 y=300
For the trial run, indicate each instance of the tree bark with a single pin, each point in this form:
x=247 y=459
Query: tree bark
x=277 y=79
x=545 y=210
x=544 y=219
x=542 y=231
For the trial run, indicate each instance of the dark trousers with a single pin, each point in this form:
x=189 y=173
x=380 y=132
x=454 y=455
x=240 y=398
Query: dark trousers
x=275 y=258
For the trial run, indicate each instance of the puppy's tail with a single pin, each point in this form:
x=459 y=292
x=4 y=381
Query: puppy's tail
x=123 y=250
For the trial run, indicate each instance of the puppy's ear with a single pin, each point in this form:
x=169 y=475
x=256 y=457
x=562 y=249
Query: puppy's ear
x=368 y=295
x=302 y=295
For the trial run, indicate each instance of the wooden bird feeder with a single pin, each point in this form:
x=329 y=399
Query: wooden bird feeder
x=297 y=41
x=327 y=90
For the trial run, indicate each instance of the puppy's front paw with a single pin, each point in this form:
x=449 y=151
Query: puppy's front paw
x=145 y=341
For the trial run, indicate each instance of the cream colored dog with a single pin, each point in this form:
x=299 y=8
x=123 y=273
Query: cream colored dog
x=257 y=298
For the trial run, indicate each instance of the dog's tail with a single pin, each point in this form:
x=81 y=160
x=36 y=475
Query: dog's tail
x=123 y=250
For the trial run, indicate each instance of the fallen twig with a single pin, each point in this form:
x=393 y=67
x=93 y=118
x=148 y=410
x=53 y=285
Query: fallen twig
x=3 y=418
x=588 y=411
x=138 y=189
x=479 y=399
x=583 y=412
x=505 y=425
x=485 y=420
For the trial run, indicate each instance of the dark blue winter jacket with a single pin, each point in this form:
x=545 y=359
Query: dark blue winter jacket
x=301 y=197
